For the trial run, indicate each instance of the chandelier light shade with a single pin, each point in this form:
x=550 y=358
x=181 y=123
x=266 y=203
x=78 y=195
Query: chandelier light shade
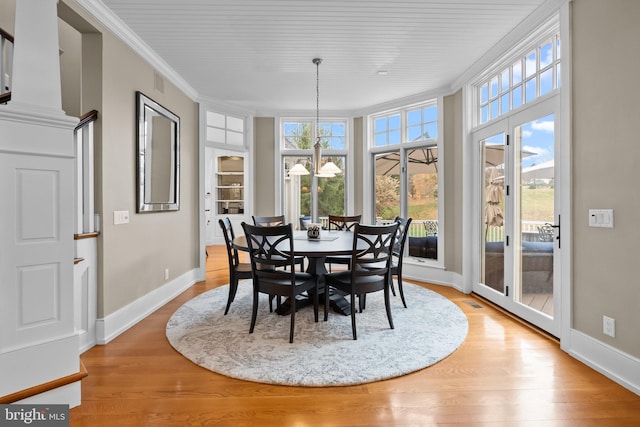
x=330 y=168
x=298 y=169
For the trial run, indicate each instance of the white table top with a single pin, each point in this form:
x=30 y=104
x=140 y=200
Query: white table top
x=330 y=243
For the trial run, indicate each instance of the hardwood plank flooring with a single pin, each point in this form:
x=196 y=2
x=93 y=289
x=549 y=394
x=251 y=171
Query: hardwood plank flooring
x=504 y=374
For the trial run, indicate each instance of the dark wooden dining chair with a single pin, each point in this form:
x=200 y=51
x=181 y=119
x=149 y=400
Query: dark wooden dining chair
x=237 y=270
x=268 y=221
x=398 y=254
x=272 y=221
x=273 y=265
x=342 y=223
x=369 y=270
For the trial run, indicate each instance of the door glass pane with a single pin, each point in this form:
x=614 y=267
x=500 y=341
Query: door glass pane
x=422 y=201
x=421 y=197
x=492 y=259
x=387 y=186
x=535 y=209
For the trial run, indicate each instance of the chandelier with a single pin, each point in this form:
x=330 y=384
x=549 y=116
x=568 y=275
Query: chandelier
x=329 y=169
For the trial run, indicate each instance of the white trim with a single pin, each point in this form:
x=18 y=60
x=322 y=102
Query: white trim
x=433 y=275
x=113 y=23
x=616 y=365
x=566 y=296
x=116 y=323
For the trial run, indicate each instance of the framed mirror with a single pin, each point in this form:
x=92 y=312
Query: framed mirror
x=158 y=159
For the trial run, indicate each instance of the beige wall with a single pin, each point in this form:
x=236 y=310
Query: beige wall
x=606 y=155
x=7 y=14
x=135 y=255
x=452 y=135
x=70 y=42
x=264 y=161
x=358 y=169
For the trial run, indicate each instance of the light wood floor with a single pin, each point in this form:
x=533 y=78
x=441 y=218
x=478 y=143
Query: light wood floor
x=504 y=374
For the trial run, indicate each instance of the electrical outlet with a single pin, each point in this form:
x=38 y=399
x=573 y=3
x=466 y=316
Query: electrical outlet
x=166 y=274
x=609 y=326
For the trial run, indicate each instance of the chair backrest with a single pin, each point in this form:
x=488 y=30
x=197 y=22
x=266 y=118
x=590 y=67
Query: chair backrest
x=343 y=223
x=229 y=235
x=269 y=249
x=372 y=249
x=268 y=221
x=401 y=236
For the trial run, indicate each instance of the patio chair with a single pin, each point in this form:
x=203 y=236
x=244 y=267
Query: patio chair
x=430 y=227
x=271 y=250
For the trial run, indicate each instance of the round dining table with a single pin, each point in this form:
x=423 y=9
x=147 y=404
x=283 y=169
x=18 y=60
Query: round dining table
x=316 y=250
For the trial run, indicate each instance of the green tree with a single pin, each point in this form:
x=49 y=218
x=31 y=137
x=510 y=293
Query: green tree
x=387 y=196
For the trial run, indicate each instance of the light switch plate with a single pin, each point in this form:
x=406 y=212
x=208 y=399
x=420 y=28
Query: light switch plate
x=120 y=217
x=601 y=218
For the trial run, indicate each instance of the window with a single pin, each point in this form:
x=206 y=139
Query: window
x=531 y=76
x=405 y=161
x=305 y=194
x=224 y=129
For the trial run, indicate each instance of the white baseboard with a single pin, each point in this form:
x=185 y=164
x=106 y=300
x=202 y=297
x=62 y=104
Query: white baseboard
x=610 y=362
x=118 y=322
x=437 y=276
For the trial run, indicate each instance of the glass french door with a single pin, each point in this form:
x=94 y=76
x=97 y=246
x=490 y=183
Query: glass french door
x=519 y=216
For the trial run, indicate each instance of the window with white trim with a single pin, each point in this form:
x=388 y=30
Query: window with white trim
x=404 y=150
x=300 y=196
x=529 y=77
x=225 y=129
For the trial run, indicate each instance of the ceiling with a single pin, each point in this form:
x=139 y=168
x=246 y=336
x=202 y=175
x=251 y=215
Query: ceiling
x=257 y=54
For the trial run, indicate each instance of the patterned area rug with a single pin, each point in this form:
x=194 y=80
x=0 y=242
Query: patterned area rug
x=323 y=353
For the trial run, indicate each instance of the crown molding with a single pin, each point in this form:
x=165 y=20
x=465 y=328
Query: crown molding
x=111 y=22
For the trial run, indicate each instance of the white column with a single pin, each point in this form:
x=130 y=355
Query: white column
x=38 y=341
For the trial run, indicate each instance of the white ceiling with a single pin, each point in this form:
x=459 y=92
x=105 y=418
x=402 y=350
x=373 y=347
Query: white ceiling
x=257 y=54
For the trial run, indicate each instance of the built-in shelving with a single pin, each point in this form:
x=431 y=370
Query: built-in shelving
x=230 y=185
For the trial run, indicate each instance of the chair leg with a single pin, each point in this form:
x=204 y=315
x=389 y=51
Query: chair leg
x=353 y=315
x=293 y=324
x=254 y=311
x=233 y=287
x=400 y=289
x=387 y=304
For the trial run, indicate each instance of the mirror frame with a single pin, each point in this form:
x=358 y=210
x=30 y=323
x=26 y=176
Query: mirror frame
x=145 y=106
